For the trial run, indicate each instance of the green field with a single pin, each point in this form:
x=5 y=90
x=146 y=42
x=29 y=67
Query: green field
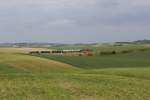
x=130 y=60
x=47 y=77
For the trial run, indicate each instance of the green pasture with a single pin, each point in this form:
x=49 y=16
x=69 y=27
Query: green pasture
x=47 y=77
x=129 y=60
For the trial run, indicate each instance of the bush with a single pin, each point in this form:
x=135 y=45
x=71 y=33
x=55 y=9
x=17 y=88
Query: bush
x=126 y=51
x=108 y=52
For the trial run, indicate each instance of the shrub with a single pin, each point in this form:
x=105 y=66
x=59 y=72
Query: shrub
x=108 y=52
x=126 y=51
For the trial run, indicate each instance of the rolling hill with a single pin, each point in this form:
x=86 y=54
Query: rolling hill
x=28 y=77
x=18 y=62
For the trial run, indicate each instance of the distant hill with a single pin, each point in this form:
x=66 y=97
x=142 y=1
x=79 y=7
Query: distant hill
x=28 y=44
x=47 y=45
x=136 y=42
x=142 y=42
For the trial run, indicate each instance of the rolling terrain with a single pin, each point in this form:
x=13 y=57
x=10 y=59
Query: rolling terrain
x=128 y=60
x=30 y=64
x=47 y=77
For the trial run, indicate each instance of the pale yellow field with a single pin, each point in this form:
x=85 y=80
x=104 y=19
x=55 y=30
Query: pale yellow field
x=16 y=58
x=21 y=50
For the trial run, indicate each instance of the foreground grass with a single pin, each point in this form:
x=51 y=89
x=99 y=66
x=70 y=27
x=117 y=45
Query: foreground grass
x=25 y=77
x=140 y=73
x=73 y=87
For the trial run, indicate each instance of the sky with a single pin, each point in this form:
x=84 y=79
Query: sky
x=74 y=21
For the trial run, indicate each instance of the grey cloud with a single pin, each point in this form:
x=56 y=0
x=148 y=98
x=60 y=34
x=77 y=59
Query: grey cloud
x=74 y=20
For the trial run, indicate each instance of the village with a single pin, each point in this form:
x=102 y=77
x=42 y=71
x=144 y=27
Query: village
x=67 y=52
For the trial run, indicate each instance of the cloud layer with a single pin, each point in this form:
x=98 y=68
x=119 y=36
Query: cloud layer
x=74 y=20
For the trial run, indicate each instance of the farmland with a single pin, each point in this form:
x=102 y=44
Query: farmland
x=130 y=60
x=99 y=77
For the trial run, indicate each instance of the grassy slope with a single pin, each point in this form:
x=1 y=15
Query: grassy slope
x=140 y=73
x=21 y=79
x=83 y=86
x=130 y=81
x=29 y=64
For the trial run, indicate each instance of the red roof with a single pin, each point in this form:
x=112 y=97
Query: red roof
x=87 y=50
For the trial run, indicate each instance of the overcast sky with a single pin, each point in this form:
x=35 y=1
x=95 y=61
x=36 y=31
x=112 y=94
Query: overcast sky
x=74 y=21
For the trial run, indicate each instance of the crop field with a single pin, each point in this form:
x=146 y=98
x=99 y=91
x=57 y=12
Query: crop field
x=20 y=50
x=129 y=60
x=99 y=77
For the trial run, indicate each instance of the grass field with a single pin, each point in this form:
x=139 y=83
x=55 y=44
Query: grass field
x=111 y=77
x=136 y=59
x=31 y=64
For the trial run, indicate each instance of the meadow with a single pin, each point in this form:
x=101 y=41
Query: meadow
x=50 y=77
x=129 y=60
